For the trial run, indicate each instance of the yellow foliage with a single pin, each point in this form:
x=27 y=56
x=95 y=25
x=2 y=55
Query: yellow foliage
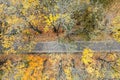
x=36 y=20
x=117 y=35
x=90 y=8
x=116 y=75
x=66 y=17
x=7 y=41
x=51 y=19
x=116 y=28
x=90 y=63
x=34 y=71
x=46 y=29
x=26 y=31
x=15 y=2
x=87 y=56
x=32 y=17
x=30 y=3
x=116 y=69
x=67 y=71
x=88 y=1
x=90 y=69
x=85 y=1
x=1 y=7
x=11 y=50
x=14 y=20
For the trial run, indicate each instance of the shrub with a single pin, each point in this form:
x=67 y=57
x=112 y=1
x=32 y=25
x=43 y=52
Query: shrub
x=90 y=18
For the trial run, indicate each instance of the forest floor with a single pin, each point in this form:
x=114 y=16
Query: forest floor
x=54 y=65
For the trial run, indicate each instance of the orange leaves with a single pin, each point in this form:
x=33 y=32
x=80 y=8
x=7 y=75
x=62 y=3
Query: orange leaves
x=34 y=69
x=35 y=58
x=30 y=68
x=61 y=66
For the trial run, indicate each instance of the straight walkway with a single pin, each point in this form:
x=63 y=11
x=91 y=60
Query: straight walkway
x=78 y=46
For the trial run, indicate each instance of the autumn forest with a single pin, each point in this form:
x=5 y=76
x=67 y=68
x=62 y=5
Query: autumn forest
x=59 y=40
